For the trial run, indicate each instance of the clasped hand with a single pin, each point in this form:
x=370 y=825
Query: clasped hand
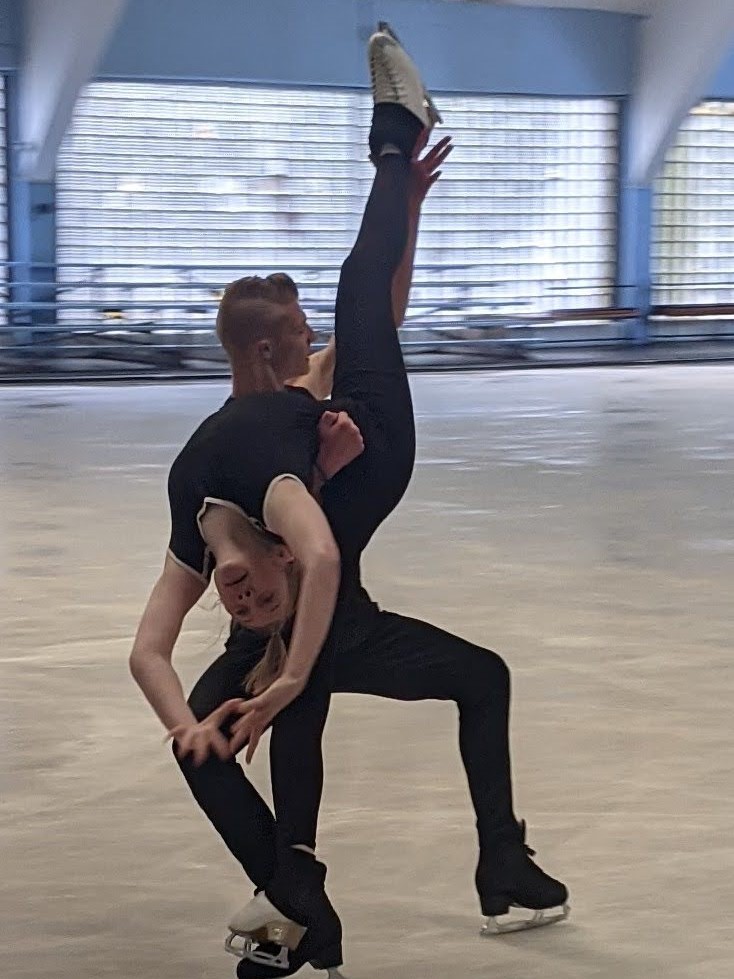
x=253 y=718
x=340 y=442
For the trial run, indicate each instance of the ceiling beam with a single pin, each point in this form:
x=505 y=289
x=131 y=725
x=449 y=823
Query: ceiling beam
x=683 y=44
x=63 y=41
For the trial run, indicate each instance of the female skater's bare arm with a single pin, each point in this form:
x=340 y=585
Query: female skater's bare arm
x=424 y=173
x=172 y=598
x=294 y=515
x=320 y=377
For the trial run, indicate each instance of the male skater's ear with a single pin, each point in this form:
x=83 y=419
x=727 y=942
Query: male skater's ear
x=265 y=349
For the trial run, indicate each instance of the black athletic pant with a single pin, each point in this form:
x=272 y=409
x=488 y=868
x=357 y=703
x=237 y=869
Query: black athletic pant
x=396 y=657
x=367 y=651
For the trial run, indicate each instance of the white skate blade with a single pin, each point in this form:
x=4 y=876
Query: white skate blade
x=244 y=947
x=523 y=919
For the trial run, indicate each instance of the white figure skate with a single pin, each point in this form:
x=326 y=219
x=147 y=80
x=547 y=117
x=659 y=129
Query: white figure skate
x=396 y=79
x=260 y=923
x=258 y=929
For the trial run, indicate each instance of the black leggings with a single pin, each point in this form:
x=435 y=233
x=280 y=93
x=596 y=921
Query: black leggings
x=397 y=657
x=370 y=380
x=367 y=651
x=371 y=383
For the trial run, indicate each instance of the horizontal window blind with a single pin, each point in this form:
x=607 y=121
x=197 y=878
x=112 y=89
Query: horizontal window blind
x=3 y=198
x=166 y=192
x=693 y=222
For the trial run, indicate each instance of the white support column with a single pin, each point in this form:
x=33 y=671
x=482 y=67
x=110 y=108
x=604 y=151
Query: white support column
x=63 y=41
x=683 y=44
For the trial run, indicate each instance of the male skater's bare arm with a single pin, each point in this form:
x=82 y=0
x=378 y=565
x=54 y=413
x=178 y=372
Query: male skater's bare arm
x=320 y=377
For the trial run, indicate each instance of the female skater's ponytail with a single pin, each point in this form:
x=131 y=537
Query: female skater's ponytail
x=270 y=666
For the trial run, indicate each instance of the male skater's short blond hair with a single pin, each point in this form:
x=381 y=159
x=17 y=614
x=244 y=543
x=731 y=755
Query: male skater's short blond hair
x=252 y=309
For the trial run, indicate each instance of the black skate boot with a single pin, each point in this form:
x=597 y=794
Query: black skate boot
x=289 y=924
x=507 y=878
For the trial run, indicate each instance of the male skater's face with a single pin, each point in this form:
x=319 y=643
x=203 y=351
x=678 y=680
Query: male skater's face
x=293 y=345
x=251 y=573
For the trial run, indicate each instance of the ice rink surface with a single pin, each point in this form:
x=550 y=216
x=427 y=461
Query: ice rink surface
x=579 y=522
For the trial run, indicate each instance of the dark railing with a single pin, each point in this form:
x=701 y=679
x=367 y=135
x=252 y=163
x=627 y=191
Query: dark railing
x=89 y=321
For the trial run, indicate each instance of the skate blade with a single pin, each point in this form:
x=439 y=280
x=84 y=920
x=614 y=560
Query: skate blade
x=238 y=945
x=433 y=114
x=507 y=925
x=287 y=935
x=248 y=949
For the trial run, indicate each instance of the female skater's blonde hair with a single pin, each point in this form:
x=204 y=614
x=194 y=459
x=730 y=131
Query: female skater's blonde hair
x=260 y=544
x=271 y=665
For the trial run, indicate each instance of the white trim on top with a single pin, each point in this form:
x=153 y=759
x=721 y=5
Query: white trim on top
x=187 y=567
x=268 y=492
x=229 y=505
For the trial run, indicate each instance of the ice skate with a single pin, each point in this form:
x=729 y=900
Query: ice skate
x=247 y=969
x=271 y=945
x=515 y=893
x=289 y=924
x=396 y=80
x=260 y=933
x=434 y=115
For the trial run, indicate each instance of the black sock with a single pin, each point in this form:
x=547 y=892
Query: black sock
x=392 y=123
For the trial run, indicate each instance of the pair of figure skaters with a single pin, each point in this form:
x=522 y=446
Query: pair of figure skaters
x=275 y=496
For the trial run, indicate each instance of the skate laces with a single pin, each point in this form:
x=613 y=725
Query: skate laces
x=523 y=828
x=395 y=79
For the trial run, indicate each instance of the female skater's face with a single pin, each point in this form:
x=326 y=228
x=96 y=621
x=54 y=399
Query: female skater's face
x=251 y=574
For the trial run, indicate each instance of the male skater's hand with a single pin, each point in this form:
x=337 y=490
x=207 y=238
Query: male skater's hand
x=201 y=739
x=340 y=442
x=424 y=172
x=259 y=712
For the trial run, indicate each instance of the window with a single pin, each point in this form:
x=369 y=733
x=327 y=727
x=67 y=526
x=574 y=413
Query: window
x=166 y=192
x=693 y=236
x=3 y=200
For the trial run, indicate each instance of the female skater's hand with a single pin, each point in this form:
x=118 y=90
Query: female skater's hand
x=201 y=739
x=424 y=172
x=259 y=712
x=340 y=442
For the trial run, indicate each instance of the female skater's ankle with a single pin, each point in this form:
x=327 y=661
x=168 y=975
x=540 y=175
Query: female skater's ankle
x=393 y=125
